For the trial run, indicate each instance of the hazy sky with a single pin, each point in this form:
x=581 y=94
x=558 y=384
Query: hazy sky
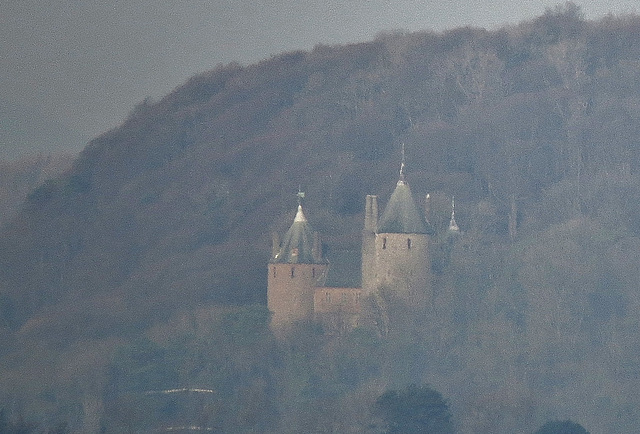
x=71 y=69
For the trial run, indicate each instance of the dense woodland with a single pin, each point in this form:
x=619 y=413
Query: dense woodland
x=19 y=177
x=142 y=269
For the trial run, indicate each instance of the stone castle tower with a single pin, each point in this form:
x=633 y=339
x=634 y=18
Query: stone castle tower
x=395 y=256
x=296 y=269
x=395 y=247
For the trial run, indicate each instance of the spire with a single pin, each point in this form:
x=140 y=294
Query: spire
x=453 y=226
x=300 y=245
x=300 y=217
x=401 y=214
x=402 y=179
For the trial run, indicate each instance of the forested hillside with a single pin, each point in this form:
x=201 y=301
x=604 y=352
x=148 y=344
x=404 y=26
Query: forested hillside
x=19 y=177
x=143 y=268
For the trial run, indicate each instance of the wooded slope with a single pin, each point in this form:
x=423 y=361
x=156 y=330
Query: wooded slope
x=533 y=128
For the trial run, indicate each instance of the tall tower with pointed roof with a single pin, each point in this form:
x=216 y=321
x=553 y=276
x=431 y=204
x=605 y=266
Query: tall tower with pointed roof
x=296 y=268
x=395 y=247
x=395 y=256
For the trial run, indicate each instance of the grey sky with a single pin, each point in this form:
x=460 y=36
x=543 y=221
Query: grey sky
x=71 y=69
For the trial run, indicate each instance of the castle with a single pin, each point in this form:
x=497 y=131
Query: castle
x=395 y=257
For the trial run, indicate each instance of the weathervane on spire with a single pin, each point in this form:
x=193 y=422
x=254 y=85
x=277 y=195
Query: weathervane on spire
x=402 y=165
x=300 y=195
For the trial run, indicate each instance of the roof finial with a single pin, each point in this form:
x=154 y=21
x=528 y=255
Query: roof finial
x=453 y=226
x=402 y=165
x=300 y=215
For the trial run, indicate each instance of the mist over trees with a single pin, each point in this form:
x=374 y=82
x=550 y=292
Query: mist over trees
x=19 y=177
x=142 y=268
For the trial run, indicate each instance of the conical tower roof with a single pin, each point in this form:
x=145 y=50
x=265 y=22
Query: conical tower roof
x=298 y=243
x=401 y=215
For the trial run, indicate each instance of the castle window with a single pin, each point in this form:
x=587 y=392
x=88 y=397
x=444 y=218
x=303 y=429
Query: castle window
x=274 y=271
x=327 y=297
x=409 y=243
x=293 y=272
x=313 y=272
x=384 y=243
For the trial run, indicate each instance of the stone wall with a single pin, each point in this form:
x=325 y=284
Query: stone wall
x=402 y=262
x=291 y=291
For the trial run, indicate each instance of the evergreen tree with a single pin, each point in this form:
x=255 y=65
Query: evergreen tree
x=414 y=410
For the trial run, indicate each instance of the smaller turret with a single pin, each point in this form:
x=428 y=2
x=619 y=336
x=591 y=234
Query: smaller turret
x=296 y=268
x=369 y=243
x=371 y=213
